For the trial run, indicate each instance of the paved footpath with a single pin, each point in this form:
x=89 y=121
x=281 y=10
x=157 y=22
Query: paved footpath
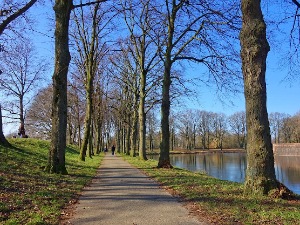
x=121 y=194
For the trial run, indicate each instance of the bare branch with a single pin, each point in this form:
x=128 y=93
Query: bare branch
x=87 y=4
x=15 y=15
x=296 y=3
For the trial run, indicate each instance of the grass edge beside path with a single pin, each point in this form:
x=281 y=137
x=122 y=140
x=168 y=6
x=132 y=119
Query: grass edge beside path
x=28 y=195
x=218 y=201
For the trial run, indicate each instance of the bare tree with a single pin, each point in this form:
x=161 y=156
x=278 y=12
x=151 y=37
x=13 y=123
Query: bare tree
x=190 y=26
x=287 y=129
x=9 y=12
x=237 y=123
x=38 y=116
x=276 y=122
x=21 y=73
x=219 y=126
x=204 y=127
x=186 y=125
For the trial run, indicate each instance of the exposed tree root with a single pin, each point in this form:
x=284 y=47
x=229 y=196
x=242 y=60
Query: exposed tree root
x=283 y=192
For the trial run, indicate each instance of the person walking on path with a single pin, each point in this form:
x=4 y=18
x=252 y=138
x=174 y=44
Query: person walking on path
x=113 y=149
x=122 y=194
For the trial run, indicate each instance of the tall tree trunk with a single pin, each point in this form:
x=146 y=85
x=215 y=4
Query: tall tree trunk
x=142 y=118
x=56 y=159
x=164 y=157
x=78 y=121
x=99 y=134
x=134 y=130
x=260 y=175
x=91 y=142
x=119 y=136
x=87 y=120
x=3 y=140
x=127 y=138
x=133 y=138
x=22 y=132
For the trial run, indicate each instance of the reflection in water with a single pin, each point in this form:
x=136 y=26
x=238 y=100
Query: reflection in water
x=232 y=166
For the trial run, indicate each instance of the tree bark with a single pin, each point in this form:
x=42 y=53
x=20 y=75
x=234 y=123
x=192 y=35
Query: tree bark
x=127 y=137
x=88 y=118
x=142 y=117
x=3 y=140
x=164 y=157
x=133 y=138
x=260 y=175
x=56 y=159
x=22 y=132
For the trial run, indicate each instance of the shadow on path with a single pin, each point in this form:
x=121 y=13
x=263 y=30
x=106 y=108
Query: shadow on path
x=121 y=194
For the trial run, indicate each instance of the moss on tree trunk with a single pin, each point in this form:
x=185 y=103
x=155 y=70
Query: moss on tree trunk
x=56 y=160
x=260 y=175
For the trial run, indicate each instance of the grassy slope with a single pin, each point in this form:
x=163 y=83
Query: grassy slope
x=30 y=196
x=222 y=202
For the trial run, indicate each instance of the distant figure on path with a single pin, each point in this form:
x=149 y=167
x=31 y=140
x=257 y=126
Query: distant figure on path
x=113 y=149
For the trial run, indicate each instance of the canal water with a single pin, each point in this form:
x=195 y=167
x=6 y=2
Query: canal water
x=232 y=166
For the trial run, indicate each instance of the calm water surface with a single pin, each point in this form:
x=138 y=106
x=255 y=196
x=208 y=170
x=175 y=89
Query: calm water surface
x=232 y=166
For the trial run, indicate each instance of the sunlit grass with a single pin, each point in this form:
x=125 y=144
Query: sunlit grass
x=221 y=202
x=28 y=195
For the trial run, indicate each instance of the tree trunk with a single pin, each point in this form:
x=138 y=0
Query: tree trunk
x=164 y=157
x=22 y=132
x=78 y=121
x=260 y=175
x=142 y=118
x=91 y=142
x=127 y=138
x=99 y=134
x=133 y=138
x=56 y=160
x=88 y=119
x=119 y=136
x=3 y=140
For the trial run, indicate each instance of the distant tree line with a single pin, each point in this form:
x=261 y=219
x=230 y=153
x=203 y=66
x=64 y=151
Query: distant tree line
x=190 y=129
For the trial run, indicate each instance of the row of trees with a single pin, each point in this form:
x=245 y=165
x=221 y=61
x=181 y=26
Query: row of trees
x=190 y=129
x=113 y=116
x=159 y=37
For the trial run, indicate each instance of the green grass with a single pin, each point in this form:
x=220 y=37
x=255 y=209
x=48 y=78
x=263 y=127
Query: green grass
x=28 y=195
x=221 y=202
